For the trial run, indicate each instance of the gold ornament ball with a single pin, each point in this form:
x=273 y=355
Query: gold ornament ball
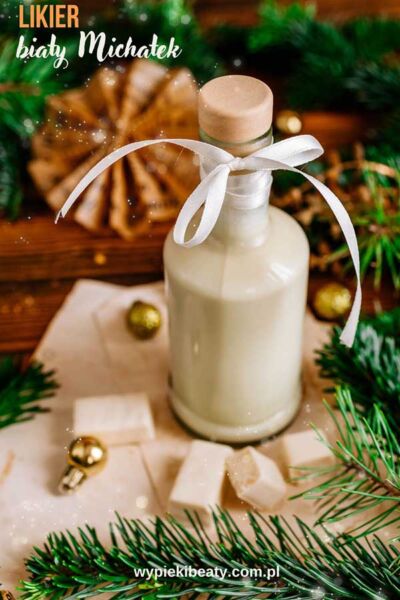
x=288 y=122
x=87 y=454
x=5 y=595
x=144 y=320
x=332 y=301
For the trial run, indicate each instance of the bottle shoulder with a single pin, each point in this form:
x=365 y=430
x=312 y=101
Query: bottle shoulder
x=277 y=260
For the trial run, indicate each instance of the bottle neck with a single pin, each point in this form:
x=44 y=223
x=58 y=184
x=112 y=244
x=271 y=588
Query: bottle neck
x=238 y=225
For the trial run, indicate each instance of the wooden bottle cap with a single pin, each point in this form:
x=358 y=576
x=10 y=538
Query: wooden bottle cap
x=235 y=108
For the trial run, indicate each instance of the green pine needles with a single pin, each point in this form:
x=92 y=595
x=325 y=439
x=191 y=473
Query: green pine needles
x=364 y=483
x=377 y=224
x=24 y=87
x=174 y=18
x=310 y=563
x=10 y=184
x=371 y=368
x=22 y=392
x=331 y=66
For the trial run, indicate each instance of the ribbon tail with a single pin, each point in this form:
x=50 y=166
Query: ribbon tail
x=200 y=148
x=342 y=216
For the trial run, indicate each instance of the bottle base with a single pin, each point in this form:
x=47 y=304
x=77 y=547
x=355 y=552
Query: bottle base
x=234 y=434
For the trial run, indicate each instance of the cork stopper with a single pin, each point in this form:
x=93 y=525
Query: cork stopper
x=235 y=108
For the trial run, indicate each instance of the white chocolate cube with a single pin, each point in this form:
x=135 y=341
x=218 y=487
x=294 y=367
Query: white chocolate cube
x=199 y=484
x=115 y=420
x=256 y=478
x=304 y=449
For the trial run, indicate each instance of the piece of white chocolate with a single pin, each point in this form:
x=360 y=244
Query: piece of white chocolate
x=163 y=459
x=256 y=478
x=304 y=449
x=116 y=420
x=199 y=484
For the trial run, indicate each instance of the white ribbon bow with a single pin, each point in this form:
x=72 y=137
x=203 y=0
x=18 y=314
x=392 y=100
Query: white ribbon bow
x=210 y=193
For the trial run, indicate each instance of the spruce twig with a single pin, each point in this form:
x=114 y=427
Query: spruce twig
x=329 y=65
x=366 y=476
x=174 y=18
x=24 y=86
x=371 y=368
x=377 y=224
x=311 y=564
x=21 y=392
x=10 y=184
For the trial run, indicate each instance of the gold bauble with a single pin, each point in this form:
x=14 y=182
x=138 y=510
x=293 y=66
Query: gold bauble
x=144 y=320
x=86 y=456
x=288 y=122
x=332 y=301
x=5 y=595
x=87 y=453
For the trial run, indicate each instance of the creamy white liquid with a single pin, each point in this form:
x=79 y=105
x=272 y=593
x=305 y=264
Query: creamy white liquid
x=236 y=309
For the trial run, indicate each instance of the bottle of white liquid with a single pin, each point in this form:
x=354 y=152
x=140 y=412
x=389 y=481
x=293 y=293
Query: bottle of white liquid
x=236 y=302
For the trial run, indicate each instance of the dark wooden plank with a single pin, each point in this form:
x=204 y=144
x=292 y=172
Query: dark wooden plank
x=37 y=249
x=27 y=308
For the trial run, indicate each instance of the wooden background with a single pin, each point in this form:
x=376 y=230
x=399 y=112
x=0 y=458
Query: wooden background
x=39 y=261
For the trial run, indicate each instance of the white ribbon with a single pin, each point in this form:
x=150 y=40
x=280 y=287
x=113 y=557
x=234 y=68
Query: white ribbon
x=212 y=191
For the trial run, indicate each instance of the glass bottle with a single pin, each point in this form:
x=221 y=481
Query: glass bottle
x=236 y=302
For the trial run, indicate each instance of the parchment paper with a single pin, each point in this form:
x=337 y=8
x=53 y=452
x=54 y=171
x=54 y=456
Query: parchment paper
x=93 y=353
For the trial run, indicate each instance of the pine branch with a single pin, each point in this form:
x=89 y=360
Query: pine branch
x=371 y=368
x=20 y=393
x=372 y=38
x=374 y=85
x=366 y=478
x=24 y=86
x=378 y=232
x=10 y=185
x=311 y=564
x=328 y=66
x=278 y=23
x=174 y=18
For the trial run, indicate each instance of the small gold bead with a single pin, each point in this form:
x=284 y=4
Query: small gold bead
x=332 y=301
x=143 y=320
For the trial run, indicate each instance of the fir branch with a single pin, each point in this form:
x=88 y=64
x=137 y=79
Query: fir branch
x=311 y=564
x=330 y=66
x=326 y=57
x=378 y=232
x=24 y=86
x=174 y=18
x=10 y=185
x=21 y=392
x=278 y=23
x=371 y=368
x=373 y=38
x=366 y=477
x=374 y=85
